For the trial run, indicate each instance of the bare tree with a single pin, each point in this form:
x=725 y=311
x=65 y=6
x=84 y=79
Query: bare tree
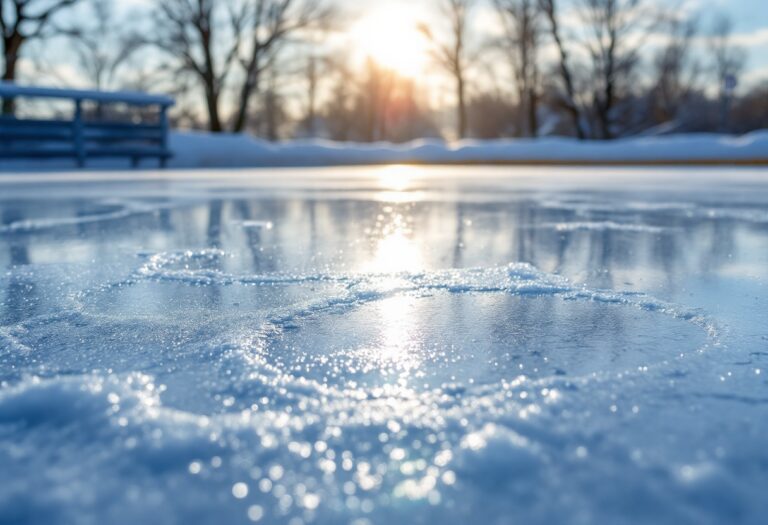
x=452 y=54
x=269 y=25
x=728 y=63
x=310 y=118
x=675 y=70
x=373 y=100
x=550 y=10
x=271 y=113
x=491 y=115
x=210 y=39
x=750 y=112
x=613 y=54
x=188 y=30
x=339 y=111
x=314 y=69
x=22 y=21
x=103 y=46
x=377 y=104
x=521 y=22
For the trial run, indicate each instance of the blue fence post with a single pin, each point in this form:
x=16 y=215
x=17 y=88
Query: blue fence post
x=79 y=134
x=164 y=130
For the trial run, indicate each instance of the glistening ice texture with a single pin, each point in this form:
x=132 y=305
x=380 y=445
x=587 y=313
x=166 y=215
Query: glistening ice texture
x=384 y=345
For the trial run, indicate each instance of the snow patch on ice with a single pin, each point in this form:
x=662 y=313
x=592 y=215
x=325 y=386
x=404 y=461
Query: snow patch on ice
x=358 y=289
x=681 y=210
x=255 y=225
x=515 y=278
x=603 y=226
x=117 y=210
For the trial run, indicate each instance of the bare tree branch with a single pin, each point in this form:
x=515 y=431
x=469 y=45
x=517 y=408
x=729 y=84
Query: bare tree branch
x=451 y=53
x=28 y=20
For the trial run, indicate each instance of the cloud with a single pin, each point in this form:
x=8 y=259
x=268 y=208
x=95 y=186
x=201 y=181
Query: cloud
x=754 y=39
x=755 y=76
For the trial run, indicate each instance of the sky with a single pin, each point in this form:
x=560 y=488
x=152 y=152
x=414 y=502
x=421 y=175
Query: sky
x=750 y=18
x=380 y=28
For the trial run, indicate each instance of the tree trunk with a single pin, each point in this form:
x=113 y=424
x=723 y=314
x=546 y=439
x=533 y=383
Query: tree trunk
x=565 y=71
x=604 y=121
x=311 y=97
x=462 y=107
x=271 y=110
x=605 y=108
x=576 y=119
x=533 y=119
x=210 y=82
x=522 y=98
x=212 y=103
x=570 y=103
x=250 y=85
x=11 y=47
x=609 y=94
x=242 y=111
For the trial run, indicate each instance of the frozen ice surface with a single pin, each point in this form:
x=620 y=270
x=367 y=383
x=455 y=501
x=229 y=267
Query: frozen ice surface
x=384 y=345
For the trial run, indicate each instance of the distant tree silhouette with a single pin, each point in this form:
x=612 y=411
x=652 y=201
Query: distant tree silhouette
x=676 y=71
x=568 y=97
x=728 y=61
x=210 y=40
x=102 y=46
x=521 y=20
x=451 y=53
x=22 y=21
x=612 y=53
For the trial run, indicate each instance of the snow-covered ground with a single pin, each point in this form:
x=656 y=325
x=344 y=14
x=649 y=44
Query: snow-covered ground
x=385 y=345
x=203 y=150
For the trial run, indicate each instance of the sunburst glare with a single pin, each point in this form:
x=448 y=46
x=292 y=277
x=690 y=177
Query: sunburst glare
x=390 y=36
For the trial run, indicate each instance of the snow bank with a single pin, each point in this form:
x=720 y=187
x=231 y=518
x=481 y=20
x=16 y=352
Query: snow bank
x=194 y=150
x=204 y=150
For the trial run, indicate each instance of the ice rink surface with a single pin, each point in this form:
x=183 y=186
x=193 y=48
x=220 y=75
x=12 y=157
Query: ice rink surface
x=385 y=345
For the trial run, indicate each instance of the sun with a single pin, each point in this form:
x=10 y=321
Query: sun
x=390 y=36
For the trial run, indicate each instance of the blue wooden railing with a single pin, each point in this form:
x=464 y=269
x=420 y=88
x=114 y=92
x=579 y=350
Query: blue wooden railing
x=84 y=137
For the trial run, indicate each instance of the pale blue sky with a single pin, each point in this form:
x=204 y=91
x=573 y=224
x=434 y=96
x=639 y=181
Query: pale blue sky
x=750 y=19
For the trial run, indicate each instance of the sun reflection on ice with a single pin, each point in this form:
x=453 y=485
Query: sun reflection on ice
x=395 y=252
x=397 y=184
x=399 y=347
x=397 y=178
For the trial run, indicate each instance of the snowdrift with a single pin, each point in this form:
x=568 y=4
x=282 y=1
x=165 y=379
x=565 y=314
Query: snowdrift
x=193 y=150
x=205 y=150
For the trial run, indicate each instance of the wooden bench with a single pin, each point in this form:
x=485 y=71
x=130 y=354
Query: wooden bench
x=85 y=136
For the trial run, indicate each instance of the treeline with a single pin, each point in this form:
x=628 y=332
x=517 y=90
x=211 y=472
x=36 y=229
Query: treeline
x=592 y=69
